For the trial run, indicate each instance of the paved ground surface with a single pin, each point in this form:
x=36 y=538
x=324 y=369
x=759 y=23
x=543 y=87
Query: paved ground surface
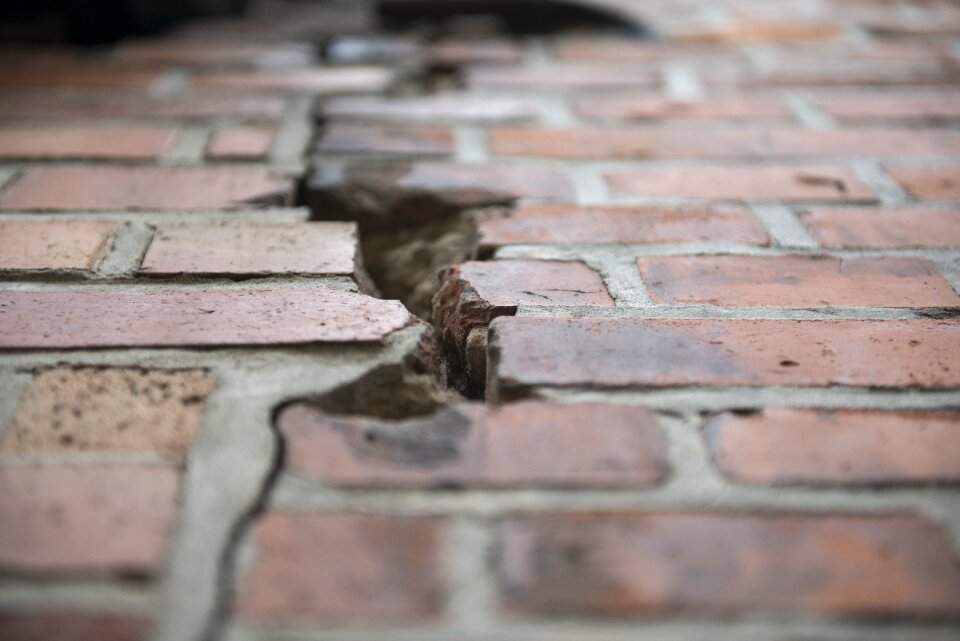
x=690 y=370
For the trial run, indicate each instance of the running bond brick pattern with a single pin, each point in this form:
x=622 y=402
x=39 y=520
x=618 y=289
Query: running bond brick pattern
x=692 y=369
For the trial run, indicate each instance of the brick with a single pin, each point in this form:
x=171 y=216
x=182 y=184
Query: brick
x=884 y=228
x=385 y=569
x=68 y=625
x=78 y=76
x=42 y=105
x=54 y=244
x=530 y=444
x=892 y=105
x=138 y=188
x=844 y=447
x=105 y=142
x=629 y=50
x=456 y=53
x=567 y=76
x=307 y=81
x=681 y=142
x=242 y=142
x=302 y=248
x=653 y=107
x=669 y=353
x=86 y=409
x=813 y=72
x=570 y=225
x=758 y=32
x=199 y=317
x=929 y=183
x=795 y=281
x=452 y=107
x=634 y=564
x=383 y=140
x=111 y=518
x=209 y=54
x=765 y=182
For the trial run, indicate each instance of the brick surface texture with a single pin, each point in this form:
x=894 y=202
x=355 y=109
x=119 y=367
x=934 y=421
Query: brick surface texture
x=572 y=321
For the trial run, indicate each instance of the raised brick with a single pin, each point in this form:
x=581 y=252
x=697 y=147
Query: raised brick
x=570 y=224
x=784 y=446
x=458 y=107
x=877 y=228
x=677 y=142
x=892 y=105
x=50 y=319
x=742 y=183
x=307 y=81
x=304 y=248
x=385 y=140
x=57 y=244
x=211 y=54
x=67 y=625
x=674 y=353
x=85 y=141
x=114 y=518
x=929 y=183
x=133 y=188
x=647 y=107
x=42 y=105
x=505 y=284
x=243 y=142
x=796 y=281
x=108 y=410
x=630 y=564
x=562 y=76
x=341 y=567
x=530 y=444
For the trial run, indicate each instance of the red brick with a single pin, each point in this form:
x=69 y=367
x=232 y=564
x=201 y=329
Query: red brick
x=892 y=105
x=85 y=77
x=115 y=518
x=385 y=140
x=455 y=53
x=848 y=447
x=843 y=71
x=670 y=353
x=306 y=81
x=108 y=410
x=758 y=32
x=682 y=142
x=133 y=188
x=304 y=248
x=570 y=224
x=743 y=183
x=243 y=142
x=929 y=183
x=562 y=76
x=630 y=564
x=877 y=228
x=454 y=107
x=629 y=50
x=85 y=141
x=55 y=244
x=653 y=107
x=341 y=567
x=505 y=284
x=67 y=625
x=197 y=317
x=210 y=54
x=530 y=444
x=44 y=105
x=796 y=281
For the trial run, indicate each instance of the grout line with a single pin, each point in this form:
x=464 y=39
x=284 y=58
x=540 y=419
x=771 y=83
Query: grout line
x=807 y=112
x=682 y=83
x=556 y=111
x=126 y=251
x=293 y=136
x=783 y=226
x=174 y=82
x=589 y=185
x=471 y=144
x=472 y=590
x=872 y=174
x=190 y=147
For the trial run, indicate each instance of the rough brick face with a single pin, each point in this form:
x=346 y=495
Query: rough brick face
x=646 y=107
x=528 y=444
x=241 y=142
x=884 y=228
x=45 y=245
x=795 y=281
x=783 y=446
x=66 y=625
x=632 y=564
x=113 y=518
x=929 y=183
x=386 y=140
x=74 y=141
x=386 y=569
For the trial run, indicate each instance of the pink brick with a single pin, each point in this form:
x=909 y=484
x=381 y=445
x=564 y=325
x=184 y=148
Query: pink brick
x=847 y=447
x=385 y=140
x=85 y=141
x=77 y=76
x=796 y=281
x=61 y=624
x=892 y=105
x=115 y=518
x=136 y=188
x=42 y=105
x=884 y=228
x=307 y=81
x=569 y=224
x=305 y=248
x=241 y=142
x=743 y=183
x=929 y=183
x=505 y=284
x=746 y=31
x=55 y=244
x=750 y=353
x=531 y=444
x=654 y=107
x=193 y=318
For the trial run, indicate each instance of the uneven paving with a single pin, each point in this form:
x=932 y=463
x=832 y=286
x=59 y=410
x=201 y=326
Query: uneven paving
x=676 y=353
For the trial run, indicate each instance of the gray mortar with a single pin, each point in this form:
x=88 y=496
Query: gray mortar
x=126 y=251
x=189 y=148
